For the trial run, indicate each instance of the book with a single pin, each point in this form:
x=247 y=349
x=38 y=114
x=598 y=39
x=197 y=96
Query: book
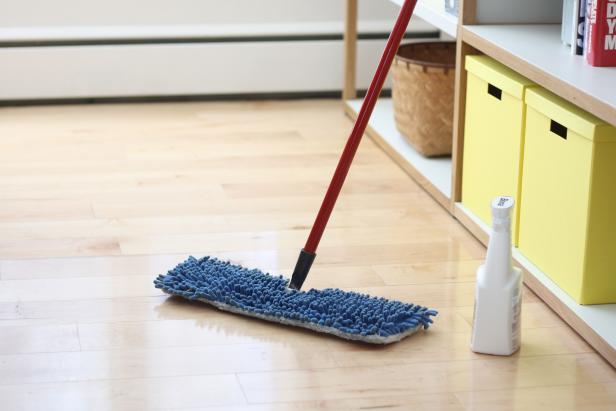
x=586 y=27
x=575 y=12
x=565 y=34
x=579 y=22
x=601 y=30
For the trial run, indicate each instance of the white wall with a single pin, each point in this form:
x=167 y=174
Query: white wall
x=66 y=70
x=37 y=13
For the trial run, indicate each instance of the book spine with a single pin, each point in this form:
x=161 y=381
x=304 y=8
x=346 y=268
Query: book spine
x=565 y=31
x=609 y=34
x=591 y=46
x=602 y=34
x=574 y=23
x=588 y=4
x=579 y=28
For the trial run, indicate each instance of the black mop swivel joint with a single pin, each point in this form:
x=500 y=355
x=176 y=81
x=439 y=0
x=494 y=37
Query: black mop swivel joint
x=302 y=267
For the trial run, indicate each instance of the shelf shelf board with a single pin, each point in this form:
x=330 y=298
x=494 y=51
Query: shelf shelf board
x=433 y=12
x=535 y=51
x=433 y=174
x=595 y=323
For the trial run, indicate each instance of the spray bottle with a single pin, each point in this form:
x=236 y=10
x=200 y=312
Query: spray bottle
x=498 y=297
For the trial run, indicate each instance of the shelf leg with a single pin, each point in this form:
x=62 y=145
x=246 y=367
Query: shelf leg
x=350 y=51
x=462 y=50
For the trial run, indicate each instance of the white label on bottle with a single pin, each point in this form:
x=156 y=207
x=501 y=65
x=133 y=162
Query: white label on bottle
x=515 y=321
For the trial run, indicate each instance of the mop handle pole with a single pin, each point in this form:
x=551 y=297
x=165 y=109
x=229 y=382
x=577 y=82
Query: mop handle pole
x=360 y=127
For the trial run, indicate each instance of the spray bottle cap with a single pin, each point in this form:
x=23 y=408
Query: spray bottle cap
x=502 y=207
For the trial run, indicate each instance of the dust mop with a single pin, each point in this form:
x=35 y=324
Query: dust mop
x=251 y=292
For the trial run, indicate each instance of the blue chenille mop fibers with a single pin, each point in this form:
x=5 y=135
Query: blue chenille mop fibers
x=254 y=293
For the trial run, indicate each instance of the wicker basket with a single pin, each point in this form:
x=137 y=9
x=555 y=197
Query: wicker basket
x=423 y=87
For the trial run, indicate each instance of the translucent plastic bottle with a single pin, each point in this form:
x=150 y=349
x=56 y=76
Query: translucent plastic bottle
x=498 y=296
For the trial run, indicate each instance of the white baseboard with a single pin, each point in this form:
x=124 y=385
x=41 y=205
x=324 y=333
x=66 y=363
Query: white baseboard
x=138 y=70
x=191 y=31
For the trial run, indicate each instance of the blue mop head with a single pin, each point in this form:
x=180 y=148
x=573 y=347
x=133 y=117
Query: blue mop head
x=348 y=315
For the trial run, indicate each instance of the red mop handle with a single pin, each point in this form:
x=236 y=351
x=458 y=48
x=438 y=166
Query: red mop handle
x=360 y=127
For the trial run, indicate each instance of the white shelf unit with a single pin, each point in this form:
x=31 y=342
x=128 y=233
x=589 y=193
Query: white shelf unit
x=599 y=320
x=434 y=174
x=535 y=51
x=433 y=12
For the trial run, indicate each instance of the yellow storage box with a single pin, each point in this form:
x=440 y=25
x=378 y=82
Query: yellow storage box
x=493 y=136
x=568 y=209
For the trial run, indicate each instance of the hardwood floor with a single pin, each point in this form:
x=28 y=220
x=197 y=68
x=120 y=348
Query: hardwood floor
x=96 y=200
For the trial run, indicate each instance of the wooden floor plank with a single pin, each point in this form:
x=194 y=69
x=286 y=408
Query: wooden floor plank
x=428 y=377
x=591 y=397
x=186 y=392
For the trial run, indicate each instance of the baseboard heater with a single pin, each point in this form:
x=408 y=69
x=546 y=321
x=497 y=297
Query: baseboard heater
x=180 y=61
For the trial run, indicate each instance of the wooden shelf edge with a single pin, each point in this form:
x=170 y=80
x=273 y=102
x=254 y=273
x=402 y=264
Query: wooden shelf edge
x=541 y=77
x=575 y=322
x=475 y=229
x=434 y=192
x=533 y=283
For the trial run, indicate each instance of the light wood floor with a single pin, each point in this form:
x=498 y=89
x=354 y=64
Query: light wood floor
x=95 y=201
